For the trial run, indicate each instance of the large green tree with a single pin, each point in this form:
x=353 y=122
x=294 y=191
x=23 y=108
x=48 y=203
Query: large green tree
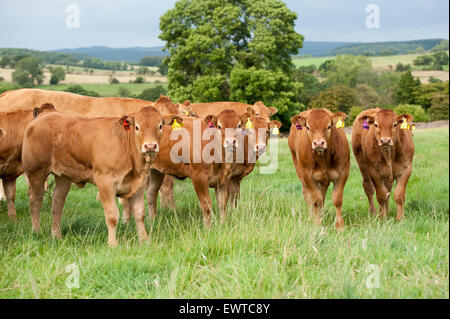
x=213 y=44
x=28 y=72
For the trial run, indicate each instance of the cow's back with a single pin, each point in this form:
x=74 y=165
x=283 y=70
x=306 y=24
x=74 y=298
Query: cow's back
x=27 y=99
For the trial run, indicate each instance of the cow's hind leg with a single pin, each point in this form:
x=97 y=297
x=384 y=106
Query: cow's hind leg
x=126 y=209
x=62 y=187
x=167 y=194
x=36 y=194
x=224 y=192
x=337 y=199
x=137 y=203
x=10 y=193
x=235 y=186
x=369 y=189
x=155 y=181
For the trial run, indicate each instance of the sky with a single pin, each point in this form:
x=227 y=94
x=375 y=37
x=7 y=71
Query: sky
x=45 y=24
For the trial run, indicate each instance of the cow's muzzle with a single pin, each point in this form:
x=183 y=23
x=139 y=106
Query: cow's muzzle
x=319 y=145
x=385 y=142
x=230 y=142
x=260 y=148
x=150 y=147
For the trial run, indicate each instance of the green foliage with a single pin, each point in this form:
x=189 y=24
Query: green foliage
x=45 y=56
x=6 y=86
x=152 y=94
x=432 y=79
x=415 y=110
x=366 y=96
x=425 y=94
x=151 y=60
x=443 y=46
x=386 y=48
x=326 y=66
x=434 y=61
x=311 y=85
x=439 y=107
x=336 y=98
x=124 y=92
x=143 y=70
x=28 y=72
x=163 y=69
x=4 y=61
x=113 y=80
x=57 y=74
x=346 y=69
x=78 y=89
x=423 y=60
x=139 y=80
x=402 y=67
x=440 y=58
x=406 y=89
x=274 y=88
x=212 y=41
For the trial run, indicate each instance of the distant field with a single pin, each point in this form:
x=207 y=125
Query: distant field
x=104 y=89
x=78 y=75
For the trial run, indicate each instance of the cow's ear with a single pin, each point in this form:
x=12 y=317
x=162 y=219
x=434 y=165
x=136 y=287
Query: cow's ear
x=211 y=119
x=127 y=121
x=36 y=112
x=368 y=118
x=169 y=119
x=250 y=110
x=338 y=115
x=47 y=107
x=408 y=117
x=272 y=110
x=2 y=132
x=275 y=123
x=298 y=119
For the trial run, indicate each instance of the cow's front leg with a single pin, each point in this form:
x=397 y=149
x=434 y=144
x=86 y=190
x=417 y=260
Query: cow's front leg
x=337 y=199
x=235 y=186
x=126 y=210
x=35 y=195
x=382 y=194
x=202 y=189
x=155 y=181
x=10 y=194
x=399 y=192
x=137 y=203
x=108 y=199
x=224 y=191
x=314 y=200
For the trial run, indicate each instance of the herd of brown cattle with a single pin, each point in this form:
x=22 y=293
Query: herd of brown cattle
x=123 y=146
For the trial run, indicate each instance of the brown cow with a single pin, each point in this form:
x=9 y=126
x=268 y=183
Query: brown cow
x=214 y=108
x=253 y=146
x=112 y=153
x=12 y=128
x=384 y=152
x=203 y=174
x=321 y=155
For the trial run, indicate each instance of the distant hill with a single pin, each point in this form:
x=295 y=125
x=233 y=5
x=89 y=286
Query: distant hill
x=116 y=54
x=319 y=48
x=385 y=48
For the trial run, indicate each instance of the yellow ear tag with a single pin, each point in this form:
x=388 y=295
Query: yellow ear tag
x=413 y=127
x=339 y=123
x=249 y=124
x=275 y=131
x=404 y=125
x=186 y=113
x=175 y=125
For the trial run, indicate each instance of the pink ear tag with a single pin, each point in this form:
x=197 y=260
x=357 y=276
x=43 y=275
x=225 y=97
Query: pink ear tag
x=210 y=125
x=298 y=126
x=365 y=125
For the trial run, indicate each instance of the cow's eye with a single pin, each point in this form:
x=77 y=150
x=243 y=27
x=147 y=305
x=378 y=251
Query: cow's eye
x=219 y=126
x=307 y=128
x=239 y=125
x=395 y=124
x=257 y=114
x=375 y=124
x=160 y=126
x=137 y=128
x=329 y=126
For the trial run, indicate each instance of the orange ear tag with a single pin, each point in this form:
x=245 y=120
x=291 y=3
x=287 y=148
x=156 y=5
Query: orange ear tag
x=126 y=125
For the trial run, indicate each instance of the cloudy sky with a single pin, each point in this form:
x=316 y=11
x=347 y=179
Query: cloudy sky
x=41 y=24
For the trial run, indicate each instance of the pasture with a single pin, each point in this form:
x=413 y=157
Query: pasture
x=268 y=247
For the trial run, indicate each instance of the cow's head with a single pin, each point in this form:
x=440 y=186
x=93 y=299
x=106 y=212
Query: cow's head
x=258 y=135
x=227 y=119
x=185 y=109
x=148 y=128
x=45 y=108
x=318 y=124
x=386 y=124
x=165 y=106
x=263 y=111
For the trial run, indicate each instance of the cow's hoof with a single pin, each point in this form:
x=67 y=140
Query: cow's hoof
x=13 y=217
x=126 y=221
x=339 y=224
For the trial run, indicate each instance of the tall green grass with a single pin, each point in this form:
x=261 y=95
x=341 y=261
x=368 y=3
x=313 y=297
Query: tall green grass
x=268 y=247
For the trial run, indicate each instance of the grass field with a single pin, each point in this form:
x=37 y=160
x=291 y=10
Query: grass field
x=105 y=89
x=268 y=248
